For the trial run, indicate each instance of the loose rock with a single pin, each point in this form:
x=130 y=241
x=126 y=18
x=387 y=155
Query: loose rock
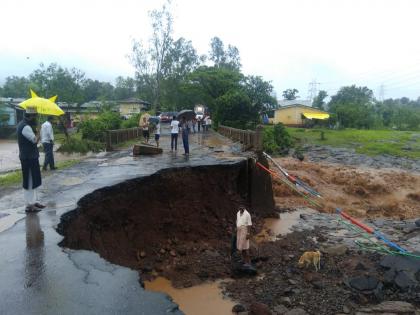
x=296 y=311
x=238 y=308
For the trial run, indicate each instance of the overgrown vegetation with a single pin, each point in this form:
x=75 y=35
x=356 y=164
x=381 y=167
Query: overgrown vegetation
x=277 y=140
x=76 y=145
x=132 y=122
x=94 y=129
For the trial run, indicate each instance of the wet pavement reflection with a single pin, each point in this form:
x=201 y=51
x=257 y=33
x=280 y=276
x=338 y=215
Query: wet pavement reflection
x=34 y=255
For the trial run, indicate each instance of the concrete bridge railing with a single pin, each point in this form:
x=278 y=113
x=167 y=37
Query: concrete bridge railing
x=114 y=137
x=251 y=140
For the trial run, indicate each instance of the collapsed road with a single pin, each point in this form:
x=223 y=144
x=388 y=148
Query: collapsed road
x=39 y=276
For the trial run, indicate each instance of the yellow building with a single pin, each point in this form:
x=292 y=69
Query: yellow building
x=132 y=106
x=296 y=115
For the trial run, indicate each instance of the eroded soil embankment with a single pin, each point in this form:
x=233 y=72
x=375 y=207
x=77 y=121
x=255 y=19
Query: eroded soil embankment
x=176 y=223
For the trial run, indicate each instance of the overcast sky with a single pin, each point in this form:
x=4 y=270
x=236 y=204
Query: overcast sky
x=291 y=43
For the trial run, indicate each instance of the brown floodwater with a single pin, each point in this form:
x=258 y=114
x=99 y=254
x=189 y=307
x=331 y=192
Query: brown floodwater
x=283 y=225
x=204 y=299
x=9 y=156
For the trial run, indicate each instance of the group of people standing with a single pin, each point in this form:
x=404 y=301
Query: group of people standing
x=184 y=126
x=202 y=123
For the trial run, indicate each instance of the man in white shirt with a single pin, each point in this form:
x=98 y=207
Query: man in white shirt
x=157 y=133
x=29 y=159
x=174 y=133
x=47 y=140
x=208 y=123
x=243 y=226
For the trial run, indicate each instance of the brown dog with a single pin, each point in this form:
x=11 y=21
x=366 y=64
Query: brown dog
x=311 y=257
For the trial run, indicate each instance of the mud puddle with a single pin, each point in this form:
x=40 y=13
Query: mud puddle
x=273 y=228
x=203 y=299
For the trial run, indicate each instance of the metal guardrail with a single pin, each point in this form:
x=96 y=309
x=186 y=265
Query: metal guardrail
x=248 y=138
x=114 y=137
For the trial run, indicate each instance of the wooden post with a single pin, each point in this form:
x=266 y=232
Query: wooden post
x=259 y=133
x=108 y=140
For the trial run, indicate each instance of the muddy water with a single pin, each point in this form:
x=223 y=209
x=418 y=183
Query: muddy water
x=204 y=299
x=9 y=156
x=281 y=226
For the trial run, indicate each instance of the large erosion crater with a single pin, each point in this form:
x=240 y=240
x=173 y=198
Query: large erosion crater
x=176 y=223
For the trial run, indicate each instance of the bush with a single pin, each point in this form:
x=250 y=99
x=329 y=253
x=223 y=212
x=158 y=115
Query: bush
x=74 y=145
x=132 y=122
x=282 y=138
x=269 y=144
x=277 y=140
x=94 y=129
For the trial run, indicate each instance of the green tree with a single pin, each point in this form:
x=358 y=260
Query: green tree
x=149 y=61
x=55 y=80
x=224 y=58
x=234 y=109
x=124 y=88
x=206 y=84
x=259 y=93
x=353 y=107
x=15 y=87
x=290 y=94
x=318 y=101
x=181 y=61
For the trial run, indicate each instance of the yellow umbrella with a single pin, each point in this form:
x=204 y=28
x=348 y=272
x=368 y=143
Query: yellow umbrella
x=43 y=106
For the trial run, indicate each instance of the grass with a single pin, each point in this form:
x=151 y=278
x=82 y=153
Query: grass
x=15 y=177
x=369 y=142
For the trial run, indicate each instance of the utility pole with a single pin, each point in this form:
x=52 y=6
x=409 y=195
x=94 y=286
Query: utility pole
x=313 y=90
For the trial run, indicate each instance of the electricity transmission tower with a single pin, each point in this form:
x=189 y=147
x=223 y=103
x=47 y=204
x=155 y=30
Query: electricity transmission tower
x=313 y=90
x=381 y=94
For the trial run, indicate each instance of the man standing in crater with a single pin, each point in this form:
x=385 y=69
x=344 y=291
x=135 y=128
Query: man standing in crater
x=243 y=226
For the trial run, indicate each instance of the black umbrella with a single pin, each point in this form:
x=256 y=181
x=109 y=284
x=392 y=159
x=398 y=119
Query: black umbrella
x=154 y=119
x=187 y=113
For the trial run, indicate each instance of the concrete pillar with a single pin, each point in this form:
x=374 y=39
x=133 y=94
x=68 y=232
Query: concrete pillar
x=259 y=133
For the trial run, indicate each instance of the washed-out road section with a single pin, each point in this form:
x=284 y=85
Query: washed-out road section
x=39 y=277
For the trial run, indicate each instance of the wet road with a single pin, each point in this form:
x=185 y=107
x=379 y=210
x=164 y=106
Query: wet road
x=39 y=277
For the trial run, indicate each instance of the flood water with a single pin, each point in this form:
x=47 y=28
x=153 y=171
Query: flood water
x=204 y=299
x=281 y=226
x=9 y=156
x=207 y=298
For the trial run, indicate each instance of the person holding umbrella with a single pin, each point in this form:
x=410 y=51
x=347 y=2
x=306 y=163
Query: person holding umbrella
x=27 y=141
x=29 y=159
x=185 y=131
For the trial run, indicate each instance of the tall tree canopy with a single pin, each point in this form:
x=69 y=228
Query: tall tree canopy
x=224 y=58
x=318 y=101
x=290 y=94
x=353 y=107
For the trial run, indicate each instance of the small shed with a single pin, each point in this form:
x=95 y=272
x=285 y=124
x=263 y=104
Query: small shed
x=296 y=115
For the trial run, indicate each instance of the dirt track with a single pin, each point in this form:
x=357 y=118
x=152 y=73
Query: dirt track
x=362 y=192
